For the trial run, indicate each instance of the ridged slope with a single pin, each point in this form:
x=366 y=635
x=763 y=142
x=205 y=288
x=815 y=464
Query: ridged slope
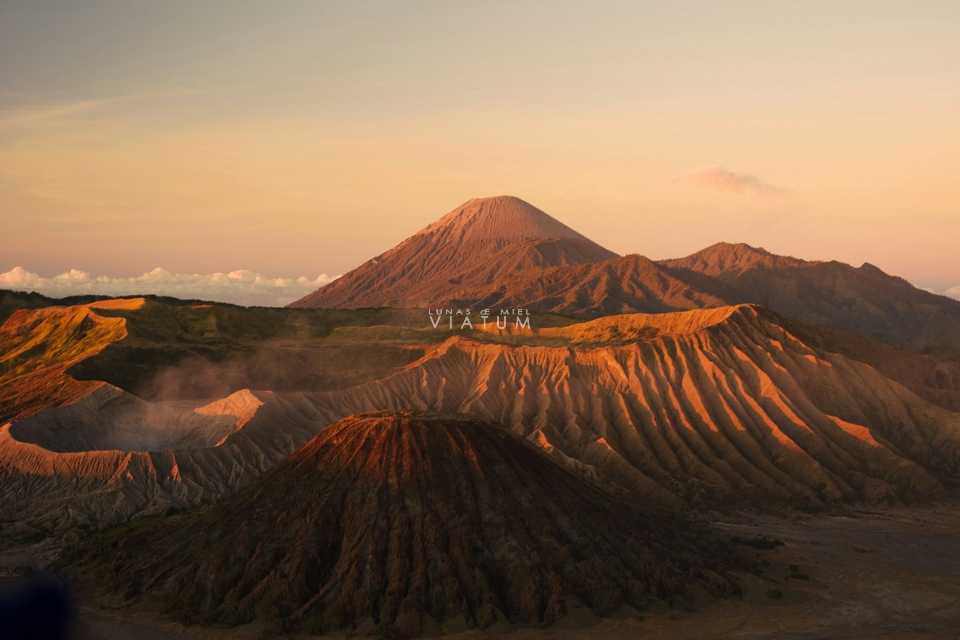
x=740 y=410
x=37 y=346
x=630 y=284
x=110 y=456
x=473 y=246
x=402 y=521
x=705 y=407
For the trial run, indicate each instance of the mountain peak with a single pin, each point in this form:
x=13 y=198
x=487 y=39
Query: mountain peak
x=725 y=259
x=736 y=246
x=500 y=218
x=735 y=250
x=461 y=257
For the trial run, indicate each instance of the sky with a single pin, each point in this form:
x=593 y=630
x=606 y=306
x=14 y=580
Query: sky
x=251 y=151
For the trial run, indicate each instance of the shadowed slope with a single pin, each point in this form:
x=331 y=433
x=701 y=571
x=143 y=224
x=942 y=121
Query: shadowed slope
x=406 y=520
x=471 y=247
x=862 y=300
x=726 y=261
x=936 y=380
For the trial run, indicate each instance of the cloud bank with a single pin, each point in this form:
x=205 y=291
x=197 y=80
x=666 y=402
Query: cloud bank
x=241 y=287
x=725 y=181
x=951 y=292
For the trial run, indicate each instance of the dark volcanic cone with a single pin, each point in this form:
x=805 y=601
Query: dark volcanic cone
x=401 y=520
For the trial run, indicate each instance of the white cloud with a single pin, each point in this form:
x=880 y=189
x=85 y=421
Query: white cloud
x=725 y=181
x=238 y=287
x=952 y=292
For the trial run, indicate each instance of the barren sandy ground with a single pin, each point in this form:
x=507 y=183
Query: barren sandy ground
x=878 y=574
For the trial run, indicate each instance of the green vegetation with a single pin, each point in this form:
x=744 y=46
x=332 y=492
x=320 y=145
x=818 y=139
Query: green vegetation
x=796 y=574
x=29 y=534
x=192 y=349
x=116 y=537
x=175 y=348
x=212 y=349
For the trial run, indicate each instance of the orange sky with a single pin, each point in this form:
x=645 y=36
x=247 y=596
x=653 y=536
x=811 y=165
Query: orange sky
x=304 y=138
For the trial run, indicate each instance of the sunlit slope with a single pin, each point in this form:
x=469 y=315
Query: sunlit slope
x=463 y=257
x=737 y=409
x=708 y=407
x=204 y=351
x=37 y=346
x=502 y=252
x=109 y=454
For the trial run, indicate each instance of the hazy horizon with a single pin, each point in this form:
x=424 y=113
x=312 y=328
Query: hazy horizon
x=302 y=140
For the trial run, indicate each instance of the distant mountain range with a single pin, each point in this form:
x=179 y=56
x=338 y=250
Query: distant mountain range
x=505 y=252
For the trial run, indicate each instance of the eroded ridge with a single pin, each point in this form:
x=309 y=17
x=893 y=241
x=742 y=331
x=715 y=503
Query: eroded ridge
x=715 y=407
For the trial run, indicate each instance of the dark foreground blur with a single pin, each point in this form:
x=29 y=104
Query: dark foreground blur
x=34 y=605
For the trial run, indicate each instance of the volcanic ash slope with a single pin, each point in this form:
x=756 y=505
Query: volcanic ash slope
x=401 y=522
x=38 y=345
x=110 y=455
x=862 y=300
x=697 y=407
x=703 y=408
x=465 y=251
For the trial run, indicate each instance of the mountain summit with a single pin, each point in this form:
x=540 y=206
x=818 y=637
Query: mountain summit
x=464 y=252
x=503 y=252
x=727 y=261
x=504 y=218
